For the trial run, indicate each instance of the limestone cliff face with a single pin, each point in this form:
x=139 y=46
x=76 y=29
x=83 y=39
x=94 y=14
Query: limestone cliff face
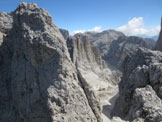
x=81 y=51
x=140 y=89
x=158 y=45
x=38 y=82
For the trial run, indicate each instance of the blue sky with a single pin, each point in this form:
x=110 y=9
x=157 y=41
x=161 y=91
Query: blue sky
x=98 y=15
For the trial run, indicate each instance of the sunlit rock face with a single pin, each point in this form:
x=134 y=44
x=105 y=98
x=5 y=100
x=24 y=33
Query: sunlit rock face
x=38 y=81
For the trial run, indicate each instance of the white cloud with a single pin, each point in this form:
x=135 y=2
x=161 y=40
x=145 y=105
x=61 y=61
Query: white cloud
x=77 y=31
x=94 y=29
x=136 y=27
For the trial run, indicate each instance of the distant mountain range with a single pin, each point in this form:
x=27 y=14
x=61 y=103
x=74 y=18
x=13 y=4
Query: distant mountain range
x=155 y=38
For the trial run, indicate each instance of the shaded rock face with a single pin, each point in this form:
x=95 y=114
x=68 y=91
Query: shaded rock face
x=65 y=33
x=140 y=96
x=38 y=82
x=123 y=46
x=158 y=45
x=151 y=41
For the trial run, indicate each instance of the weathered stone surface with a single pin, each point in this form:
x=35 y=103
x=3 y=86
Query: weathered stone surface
x=151 y=41
x=38 y=82
x=123 y=46
x=158 y=45
x=65 y=33
x=140 y=87
x=146 y=104
x=81 y=50
x=6 y=21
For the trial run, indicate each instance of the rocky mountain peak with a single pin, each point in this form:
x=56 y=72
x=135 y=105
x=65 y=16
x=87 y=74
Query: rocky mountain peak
x=34 y=17
x=38 y=81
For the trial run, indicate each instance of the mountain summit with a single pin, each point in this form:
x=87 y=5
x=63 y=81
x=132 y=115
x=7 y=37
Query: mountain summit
x=38 y=81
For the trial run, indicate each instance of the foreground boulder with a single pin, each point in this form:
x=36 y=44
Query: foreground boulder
x=38 y=82
x=140 y=94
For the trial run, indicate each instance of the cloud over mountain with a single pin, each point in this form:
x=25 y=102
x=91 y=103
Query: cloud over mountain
x=94 y=29
x=136 y=27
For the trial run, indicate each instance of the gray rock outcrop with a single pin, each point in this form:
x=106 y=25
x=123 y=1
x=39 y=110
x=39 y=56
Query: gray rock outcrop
x=123 y=46
x=140 y=96
x=151 y=41
x=5 y=25
x=65 y=33
x=158 y=45
x=38 y=82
